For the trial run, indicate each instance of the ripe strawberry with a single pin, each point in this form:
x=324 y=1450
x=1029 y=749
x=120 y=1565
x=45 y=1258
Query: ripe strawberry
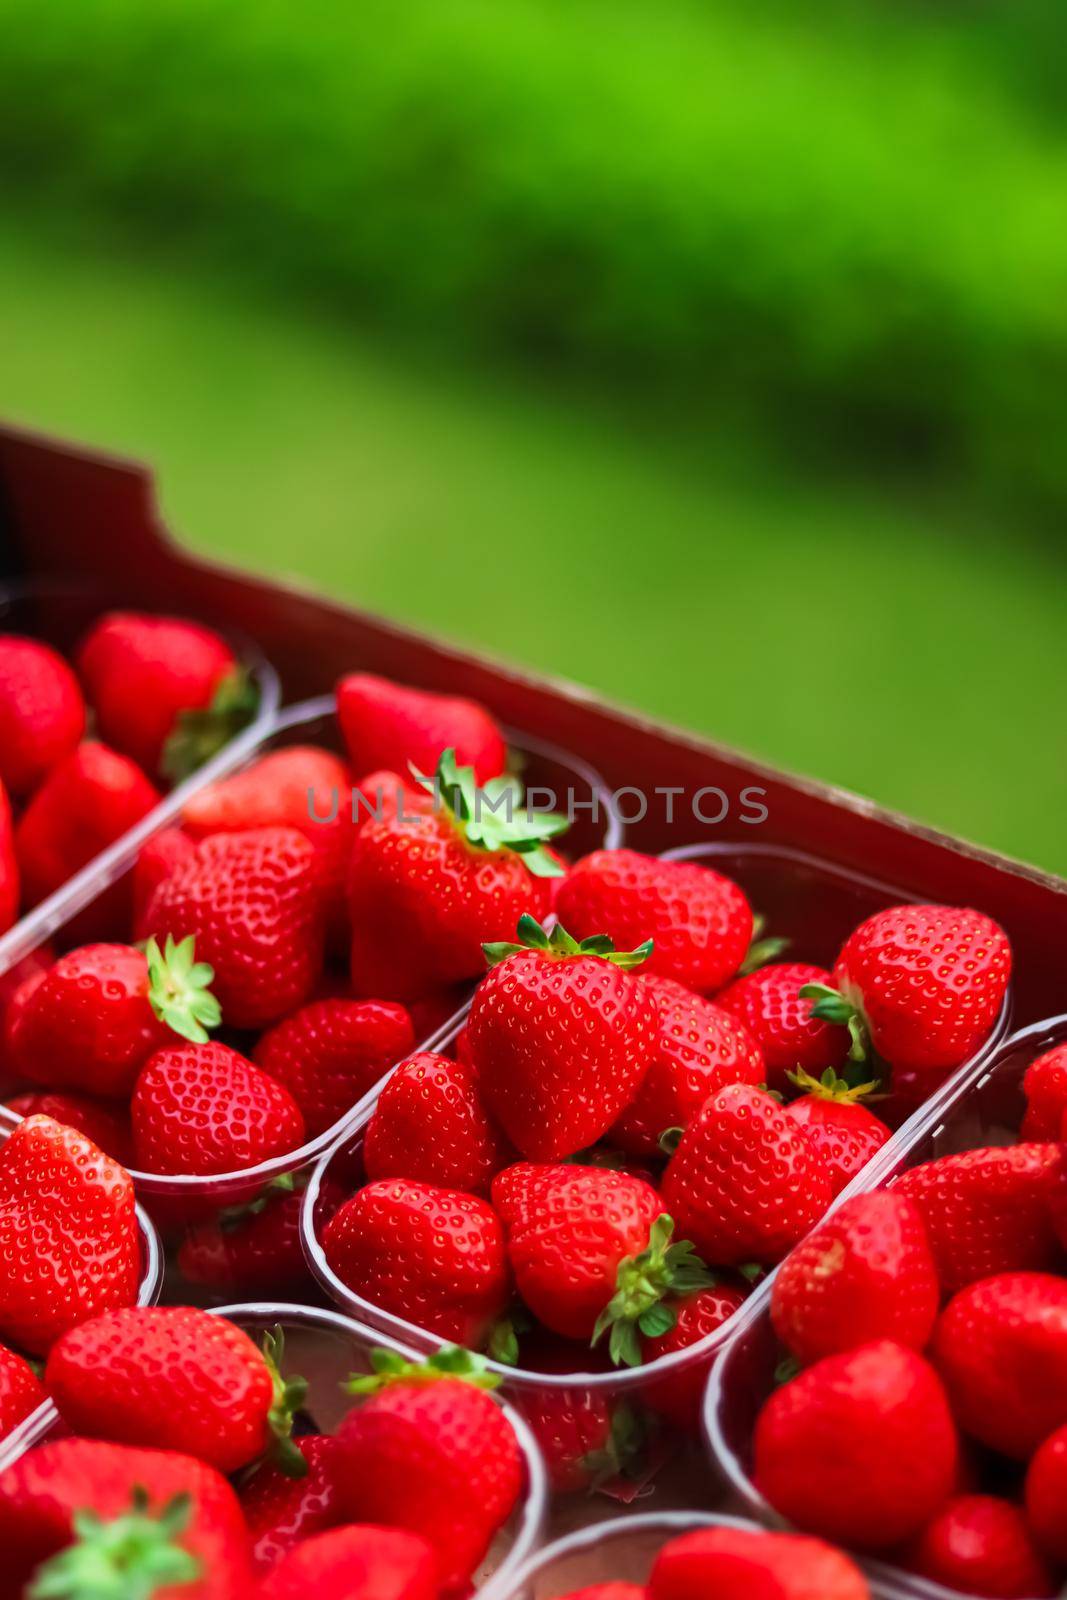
x=749 y=1564
x=383 y=794
x=1056 y=1190
x=700 y=922
x=15 y=1008
x=434 y=1454
x=254 y=1250
x=88 y=801
x=282 y=1510
x=1046 y=1495
x=145 y=1522
x=1001 y=1348
x=985 y=1211
x=587 y=1437
x=616 y=1590
x=105 y=1125
x=745 y=1183
x=1045 y=1088
x=844 y=1132
x=359 y=1562
x=865 y=1273
x=431 y=1124
x=768 y=1003
x=329 y=1054
x=158 y=857
x=560 y=1036
x=434 y=1257
x=20 y=1391
x=254 y=904
x=425 y=894
x=678 y=1395
x=166 y=692
x=859 y=1448
x=205 y=1109
x=42 y=714
x=921 y=985
x=388 y=725
x=101 y=1011
x=68 y=1234
x=9 y=867
x=978 y=1544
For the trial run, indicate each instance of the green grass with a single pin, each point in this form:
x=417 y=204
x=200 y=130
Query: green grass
x=872 y=641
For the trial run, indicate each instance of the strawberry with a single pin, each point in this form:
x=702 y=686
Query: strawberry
x=843 y=1131
x=587 y=1437
x=166 y=692
x=100 y=1518
x=434 y=1257
x=431 y=1124
x=205 y=1109
x=426 y=893
x=1046 y=1495
x=429 y=1450
x=985 y=1211
x=921 y=985
x=9 y=867
x=68 y=1234
x=749 y=1564
x=745 y=1183
x=282 y=1510
x=865 y=1273
x=699 y=1049
x=177 y=1378
x=386 y=794
x=254 y=1249
x=20 y=1391
x=88 y=801
x=978 y=1544
x=1045 y=1088
x=1001 y=1348
x=700 y=921
x=616 y=1590
x=677 y=1395
x=42 y=714
x=158 y=857
x=560 y=1035
x=101 y=1011
x=388 y=725
x=15 y=1009
x=254 y=904
x=105 y=1125
x=1056 y=1190
x=768 y=1003
x=859 y=1448
x=355 y=1563
x=329 y=1054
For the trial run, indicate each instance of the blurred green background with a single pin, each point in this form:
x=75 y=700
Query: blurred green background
x=713 y=357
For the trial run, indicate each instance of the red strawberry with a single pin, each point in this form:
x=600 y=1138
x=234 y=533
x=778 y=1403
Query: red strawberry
x=388 y=725
x=105 y=1125
x=20 y=1391
x=158 y=857
x=68 y=1234
x=980 y=1545
x=9 y=867
x=42 y=714
x=430 y=1123
x=15 y=1009
x=254 y=904
x=699 y=1049
x=329 y=1054
x=433 y=1454
x=205 y=1109
x=1001 y=1347
x=1045 y=1088
x=254 y=1249
x=986 y=1211
x=749 y=1564
x=587 y=1437
x=844 y=1132
x=425 y=894
x=385 y=794
x=859 y=1448
x=1046 y=1495
x=434 y=1257
x=561 y=1036
x=700 y=922
x=616 y=1590
x=768 y=1003
x=745 y=1183
x=147 y=1521
x=677 y=1395
x=355 y=1563
x=866 y=1272
x=146 y=674
x=282 y=1511
x=177 y=1378
x=922 y=985
x=1056 y=1190
x=101 y=1011
x=88 y=801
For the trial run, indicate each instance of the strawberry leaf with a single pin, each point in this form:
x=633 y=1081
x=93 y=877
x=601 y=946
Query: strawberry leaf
x=531 y=936
x=642 y=1282
x=179 y=989
x=199 y=735
x=129 y=1557
x=290 y=1395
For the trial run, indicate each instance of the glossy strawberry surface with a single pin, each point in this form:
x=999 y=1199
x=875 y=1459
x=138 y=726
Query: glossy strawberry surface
x=979 y=1544
x=42 y=714
x=1045 y=1088
x=330 y=1053
x=750 y=1564
x=844 y=1134
x=206 y=1109
x=21 y=1390
x=1046 y=1496
x=431 y=1124
x=282 y=1510
x=388 y=725
x=355 y=1563
x=768 y=1003
x=106 y=1124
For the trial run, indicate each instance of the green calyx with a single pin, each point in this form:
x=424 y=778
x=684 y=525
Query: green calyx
x=833 y=1006
x=761 y=951
x=503 y=1342
x=232 y=1218
x=492 y=816
x=130 y=1557
x=199 y=735
x=451 y=1361
x=831 y=1087
x=531 y=936
x=623 y=1446
x=290 y=1395
x=178 y=989
x=641 y=1284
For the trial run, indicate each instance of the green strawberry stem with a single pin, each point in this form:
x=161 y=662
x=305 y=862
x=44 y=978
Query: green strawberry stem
x=199 y=735
x=641 y=1284
x=492 y=817
x=531 y=936
x=289 y=1396
x=130 y=1557
x=831 y=1087
x=451 y=1361
x=179 y=989
x=833 y=1006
